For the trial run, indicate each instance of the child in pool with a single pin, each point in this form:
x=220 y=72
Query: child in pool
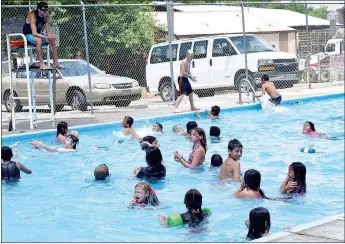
x=194 y=216
x=309 y=128
x=214 y=113
x=295 y=181
x=128 y=130
x=216 y=160
x=149 y=142
x=101 y=172
x=215 y=134
x=259 y=223
x=251 y=182
x=178 y=129
x=155 y=169
x=144 y=195
x=197 y=156
x=62 y=132
x=70 y=145
x=190 y=126
x=157 y=127
x=10 y=170
x=231 y=168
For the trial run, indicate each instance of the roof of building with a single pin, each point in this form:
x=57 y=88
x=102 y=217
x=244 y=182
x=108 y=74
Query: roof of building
x=215 y=19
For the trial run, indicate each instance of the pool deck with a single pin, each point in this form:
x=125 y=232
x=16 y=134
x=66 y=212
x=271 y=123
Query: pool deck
x=153 y=106
x=328 y=229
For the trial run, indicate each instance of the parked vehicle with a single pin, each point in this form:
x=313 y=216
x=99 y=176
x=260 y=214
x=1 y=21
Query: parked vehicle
x=72 y=87
x=219 y=63
x=326 y=68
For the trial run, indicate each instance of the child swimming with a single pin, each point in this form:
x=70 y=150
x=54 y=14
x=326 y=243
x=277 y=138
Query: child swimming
x=295 y=181
x=197 y=156
x=155 y=169
x=195 y=216
x=250 y=183
x=178 y=129
x=216 y=160
x=309 y=128
x=157 y=127
x=69 y=146
x=144 y=195
x=231 y=168
x=10 y=170
x=215 y=134
x=62 y=132
x=190 y=126
x=214 y=113
x=259 y=223
x=101 y=172
x=148 y=142
x=127 y=124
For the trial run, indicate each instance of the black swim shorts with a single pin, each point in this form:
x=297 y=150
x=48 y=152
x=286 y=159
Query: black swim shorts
x=184 y=86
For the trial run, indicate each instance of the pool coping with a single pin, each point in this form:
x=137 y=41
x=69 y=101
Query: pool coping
x=233 y=108
x=302 y=227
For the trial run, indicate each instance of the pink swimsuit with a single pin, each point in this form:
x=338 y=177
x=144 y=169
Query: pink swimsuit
x=191 y=156
x=313 y=134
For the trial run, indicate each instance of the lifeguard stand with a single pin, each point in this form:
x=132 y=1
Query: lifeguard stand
x=28 y=52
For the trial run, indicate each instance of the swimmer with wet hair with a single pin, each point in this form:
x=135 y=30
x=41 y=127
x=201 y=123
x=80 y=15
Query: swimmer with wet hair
x=128 y=130
x=101 y=172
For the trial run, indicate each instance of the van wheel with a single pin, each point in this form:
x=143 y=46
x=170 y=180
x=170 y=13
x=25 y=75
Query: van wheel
x=77 y=101
x=166 y=91
x=325 y=76
x=7 y=101
x=244 y=87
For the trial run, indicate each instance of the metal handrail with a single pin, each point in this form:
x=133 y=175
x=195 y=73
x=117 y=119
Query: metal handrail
x=251 y=88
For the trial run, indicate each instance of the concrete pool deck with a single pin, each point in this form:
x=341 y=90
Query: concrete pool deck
x=328 y=229
x=153 y=106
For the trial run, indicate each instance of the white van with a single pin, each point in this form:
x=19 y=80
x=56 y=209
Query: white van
x=219 y=63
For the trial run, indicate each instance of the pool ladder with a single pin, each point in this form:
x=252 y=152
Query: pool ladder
x=249 y=85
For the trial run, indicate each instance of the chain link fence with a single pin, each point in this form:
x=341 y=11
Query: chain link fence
x=132 y=62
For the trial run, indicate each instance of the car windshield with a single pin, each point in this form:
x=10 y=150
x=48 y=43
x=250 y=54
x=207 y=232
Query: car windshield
x=254 y=44
x=78 y=68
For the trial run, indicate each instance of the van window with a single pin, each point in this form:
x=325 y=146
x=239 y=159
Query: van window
x=161 y=54
x=183 y=49
x=330 y=47
x=200 y=49
x=222 y=47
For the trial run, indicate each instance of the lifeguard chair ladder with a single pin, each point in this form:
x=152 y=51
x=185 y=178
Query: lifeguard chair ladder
x=30 y=80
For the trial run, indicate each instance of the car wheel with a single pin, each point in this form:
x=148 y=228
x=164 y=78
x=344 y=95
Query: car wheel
x=78 y=101
x=7 y=101
x=123 y=103
x=325 y=76
x=58 y=107
x=166 y=91
x=244 y=87
x=312 y=75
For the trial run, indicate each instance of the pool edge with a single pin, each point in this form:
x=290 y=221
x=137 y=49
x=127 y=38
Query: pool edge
x=233 y=108
x=302 y=227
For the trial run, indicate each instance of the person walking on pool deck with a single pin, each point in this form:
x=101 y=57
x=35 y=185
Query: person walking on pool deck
x=32 y=29
x=271 y=90
x=183 y=82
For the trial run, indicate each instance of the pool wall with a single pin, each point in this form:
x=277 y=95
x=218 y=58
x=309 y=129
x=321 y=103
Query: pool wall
x=191 y=115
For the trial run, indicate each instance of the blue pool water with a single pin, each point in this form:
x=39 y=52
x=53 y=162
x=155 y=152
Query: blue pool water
x=59 y=202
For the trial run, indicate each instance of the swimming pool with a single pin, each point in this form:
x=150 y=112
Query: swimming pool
x=60 y=203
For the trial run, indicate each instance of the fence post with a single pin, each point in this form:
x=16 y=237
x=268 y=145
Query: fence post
x=244 y=40
x=308 y=49
x=170 y=11
x=87 y=56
